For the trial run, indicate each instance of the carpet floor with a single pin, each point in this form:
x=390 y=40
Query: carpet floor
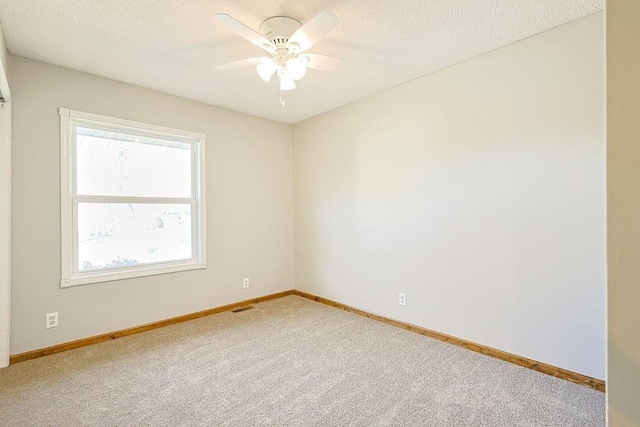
x=287 y=362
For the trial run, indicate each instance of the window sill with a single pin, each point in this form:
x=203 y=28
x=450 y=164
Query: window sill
x=108 y=276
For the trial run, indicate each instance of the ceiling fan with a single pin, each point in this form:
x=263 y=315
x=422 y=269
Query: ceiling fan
x=286 y=40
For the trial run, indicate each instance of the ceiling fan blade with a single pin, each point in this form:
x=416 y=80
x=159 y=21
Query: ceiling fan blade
x=325 y=63
x=239 y=64
x=244 y=31
x=315 y=29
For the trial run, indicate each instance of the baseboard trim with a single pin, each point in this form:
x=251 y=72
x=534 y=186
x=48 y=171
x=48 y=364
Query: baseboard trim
x=59 y=348
x=489 y=351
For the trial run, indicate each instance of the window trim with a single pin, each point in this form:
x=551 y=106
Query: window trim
x=69 y=275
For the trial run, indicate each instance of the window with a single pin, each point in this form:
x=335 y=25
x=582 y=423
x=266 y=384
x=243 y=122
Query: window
x=132 y=199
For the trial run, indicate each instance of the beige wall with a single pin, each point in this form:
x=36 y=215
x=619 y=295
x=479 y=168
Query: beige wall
x=478 y=190
x=249 y=209
x=5 y=214
x=623 y=211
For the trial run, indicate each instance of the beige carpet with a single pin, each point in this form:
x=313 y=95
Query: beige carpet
x=288 y=362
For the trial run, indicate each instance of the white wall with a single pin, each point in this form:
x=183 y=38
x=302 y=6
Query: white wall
x=5 y=213
x=249 y=209
x=623 y=212
x=478 y=190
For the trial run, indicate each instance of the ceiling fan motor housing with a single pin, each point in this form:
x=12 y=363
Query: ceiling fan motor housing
x=278 y=29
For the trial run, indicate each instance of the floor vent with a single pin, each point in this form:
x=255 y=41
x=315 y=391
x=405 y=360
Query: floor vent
x=238 y=310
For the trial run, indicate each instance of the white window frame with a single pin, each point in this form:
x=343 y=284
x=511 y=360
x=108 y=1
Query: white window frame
x=71 y=276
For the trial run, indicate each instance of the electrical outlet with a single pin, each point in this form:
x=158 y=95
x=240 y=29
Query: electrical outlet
x=52 y=320
x=245 y=282
x=402 y=299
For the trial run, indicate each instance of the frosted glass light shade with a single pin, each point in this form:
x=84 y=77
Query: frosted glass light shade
x=286 y=81
x=266 y=68
x=297 y=67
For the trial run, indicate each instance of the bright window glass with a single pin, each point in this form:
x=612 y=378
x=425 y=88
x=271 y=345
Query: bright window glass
x=110 y=165
x=132 y=199
x=118 y=235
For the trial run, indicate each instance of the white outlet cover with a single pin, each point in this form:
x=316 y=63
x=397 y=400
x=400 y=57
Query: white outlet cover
x=245 y=283
x=402 y=299
x=51 y=320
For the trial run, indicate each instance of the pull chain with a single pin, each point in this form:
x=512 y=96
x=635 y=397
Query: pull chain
x=282 y=103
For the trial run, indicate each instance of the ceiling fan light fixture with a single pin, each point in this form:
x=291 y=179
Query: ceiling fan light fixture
x=266 y=68
x=297 y=67
x=286 y=81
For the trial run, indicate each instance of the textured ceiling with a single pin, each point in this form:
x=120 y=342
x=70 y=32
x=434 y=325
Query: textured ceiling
x=173 y=46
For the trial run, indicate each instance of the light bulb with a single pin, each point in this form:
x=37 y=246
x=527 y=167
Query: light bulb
x=266 y=67
x=286 y=81
x=297 y=67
